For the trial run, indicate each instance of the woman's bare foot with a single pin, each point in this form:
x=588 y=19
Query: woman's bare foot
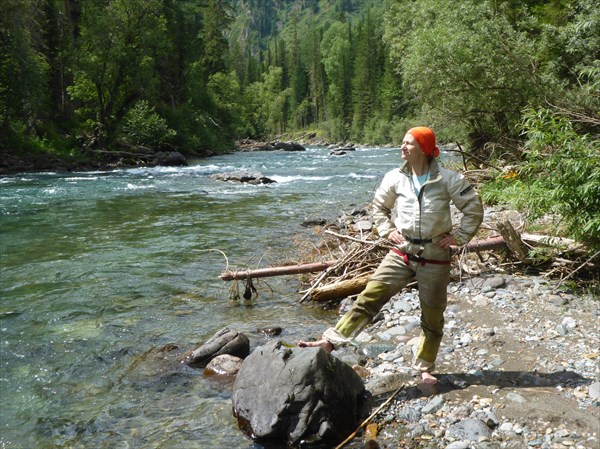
x=324 y=344
x=428 y=378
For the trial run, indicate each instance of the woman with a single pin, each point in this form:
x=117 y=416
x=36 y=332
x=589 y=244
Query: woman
x=419 y=193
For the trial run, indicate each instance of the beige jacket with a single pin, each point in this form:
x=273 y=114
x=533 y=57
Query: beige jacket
x=427 y=216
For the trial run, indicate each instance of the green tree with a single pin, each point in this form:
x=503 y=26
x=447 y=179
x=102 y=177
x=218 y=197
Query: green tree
x=116 y=60
x=466 y=66
x=216 y=22
x=24 y=102
x=367 y=74
x=336 y=59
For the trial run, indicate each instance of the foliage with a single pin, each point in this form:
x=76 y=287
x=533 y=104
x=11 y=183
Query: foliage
x=365 y=70
x=560 y=175
x=468 y=62
x=143 y=126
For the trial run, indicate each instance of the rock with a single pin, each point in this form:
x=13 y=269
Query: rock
x=458 y=445
x=170 y=159
x=223 y=365
x=386 y=383
x=288 y=146
x=312 y=221
x=243 y=177
x=287 y=395
x=409 y=414
x=364 y=225
x=224 y=341
x=469 y=429
x=434 y=405
x=594 y=390
x=271 y=331
x=374 y=349
x=515 y=397
x=569 y=323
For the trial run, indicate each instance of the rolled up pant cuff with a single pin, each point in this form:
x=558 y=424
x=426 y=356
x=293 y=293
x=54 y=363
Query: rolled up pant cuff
x=423 y=365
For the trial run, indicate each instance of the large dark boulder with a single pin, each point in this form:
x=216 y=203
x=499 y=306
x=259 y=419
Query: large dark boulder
x=170 y=159
x=288 y=146
x=288 y=396
x=224 y=341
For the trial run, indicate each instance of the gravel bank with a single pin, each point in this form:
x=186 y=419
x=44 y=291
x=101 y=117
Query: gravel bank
x=518 y=368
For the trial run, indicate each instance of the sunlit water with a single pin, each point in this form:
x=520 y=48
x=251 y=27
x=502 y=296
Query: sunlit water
x=101 y=271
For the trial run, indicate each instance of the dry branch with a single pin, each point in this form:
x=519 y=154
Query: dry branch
x=275 y=271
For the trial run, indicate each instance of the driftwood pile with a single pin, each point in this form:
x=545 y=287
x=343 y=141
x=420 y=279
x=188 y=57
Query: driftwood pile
x=353 y=257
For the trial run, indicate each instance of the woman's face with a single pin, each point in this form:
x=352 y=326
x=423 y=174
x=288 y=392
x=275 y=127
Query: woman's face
x=411 y=150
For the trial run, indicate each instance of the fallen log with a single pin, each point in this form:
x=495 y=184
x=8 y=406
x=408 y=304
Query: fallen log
x=276 y=271
x=339 y=290
x=314 y=267
x=480 y=245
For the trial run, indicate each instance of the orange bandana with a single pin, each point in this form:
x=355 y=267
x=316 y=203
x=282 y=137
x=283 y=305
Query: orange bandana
x=426 y=140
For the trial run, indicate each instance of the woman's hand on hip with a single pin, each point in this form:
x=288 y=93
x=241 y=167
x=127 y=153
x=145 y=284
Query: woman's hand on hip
x=396 y=237
x=447 y=241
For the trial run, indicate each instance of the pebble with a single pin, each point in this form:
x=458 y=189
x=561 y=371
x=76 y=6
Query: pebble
x=594 y=390
x=459 y=445
x=434 y=405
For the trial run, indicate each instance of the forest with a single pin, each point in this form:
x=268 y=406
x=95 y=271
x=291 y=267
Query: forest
x=515 y=83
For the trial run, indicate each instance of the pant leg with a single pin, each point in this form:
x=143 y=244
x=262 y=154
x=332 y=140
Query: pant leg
x=433 y=283
x=391 y=276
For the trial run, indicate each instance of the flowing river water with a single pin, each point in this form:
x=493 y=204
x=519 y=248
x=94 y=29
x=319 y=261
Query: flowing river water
x=108 y=277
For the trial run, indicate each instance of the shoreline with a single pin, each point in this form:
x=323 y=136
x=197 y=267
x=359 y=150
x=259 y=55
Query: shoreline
x=517 y=368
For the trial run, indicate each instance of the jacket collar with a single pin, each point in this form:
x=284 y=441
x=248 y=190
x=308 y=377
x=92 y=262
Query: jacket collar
x=434 y=171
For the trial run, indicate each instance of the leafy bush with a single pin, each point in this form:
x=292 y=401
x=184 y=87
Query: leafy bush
x=560 y=176
x=143 y=126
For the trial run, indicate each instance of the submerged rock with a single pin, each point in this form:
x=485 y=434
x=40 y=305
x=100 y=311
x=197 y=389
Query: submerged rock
x=223 y=365
x=225 y=341
x=243 y=177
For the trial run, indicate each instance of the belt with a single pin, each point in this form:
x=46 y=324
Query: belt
x=421 y=260
x=417 y=241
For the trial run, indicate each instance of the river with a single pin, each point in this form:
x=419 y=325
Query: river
x=101 y=271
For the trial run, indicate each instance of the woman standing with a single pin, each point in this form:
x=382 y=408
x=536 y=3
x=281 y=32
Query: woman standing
x=411 y=208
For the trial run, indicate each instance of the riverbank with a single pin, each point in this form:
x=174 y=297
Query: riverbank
x=518 y=368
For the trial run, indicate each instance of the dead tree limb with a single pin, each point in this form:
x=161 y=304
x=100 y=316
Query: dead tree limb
x=275 y=271
x=233 y=275
x=339 y=290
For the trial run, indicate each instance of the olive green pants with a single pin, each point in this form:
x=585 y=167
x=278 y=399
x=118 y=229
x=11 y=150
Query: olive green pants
x=390 y=278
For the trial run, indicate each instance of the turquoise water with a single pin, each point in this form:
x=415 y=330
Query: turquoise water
x=108 y=278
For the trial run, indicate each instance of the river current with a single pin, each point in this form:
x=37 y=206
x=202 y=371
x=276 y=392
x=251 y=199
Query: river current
x=107 y=278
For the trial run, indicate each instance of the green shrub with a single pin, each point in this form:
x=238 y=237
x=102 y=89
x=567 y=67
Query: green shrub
x=560 y=176
x=143 y=126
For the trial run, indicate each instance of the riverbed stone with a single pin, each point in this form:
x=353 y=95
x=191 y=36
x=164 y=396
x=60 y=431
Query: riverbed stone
x=225 y=341
x=594 y=390
x=245 y=177
x=433 y=405
x=223 y=365
x=469 y=429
